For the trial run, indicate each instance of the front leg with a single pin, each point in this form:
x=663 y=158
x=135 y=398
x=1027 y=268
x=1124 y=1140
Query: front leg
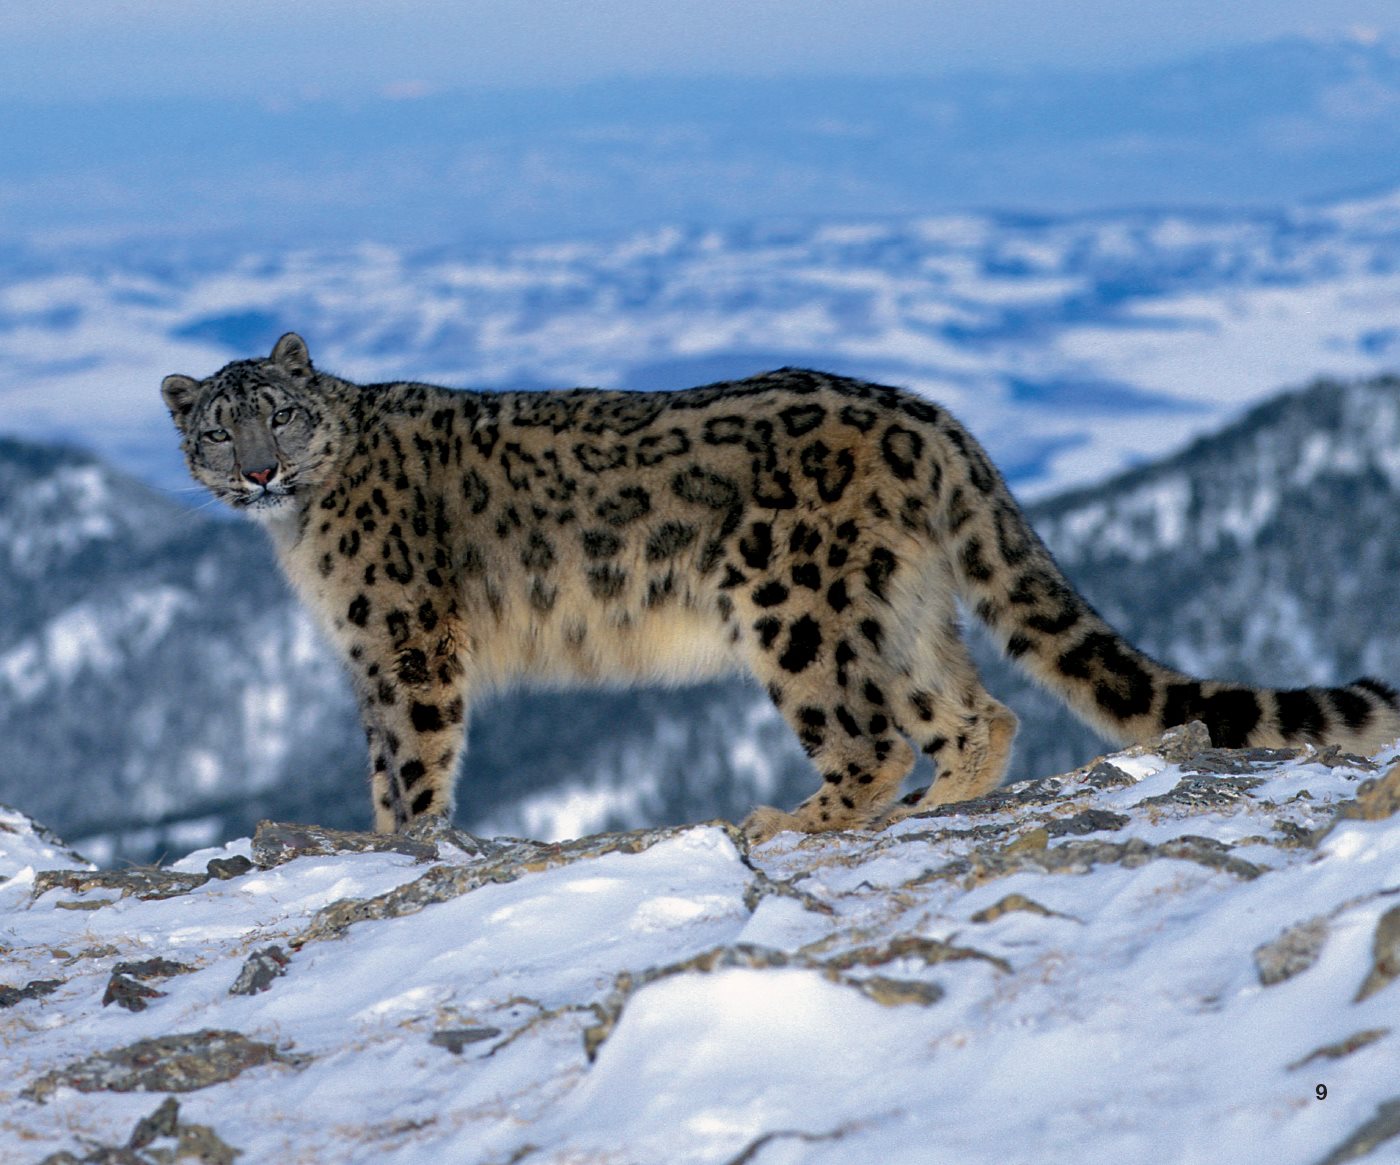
x=414 y=713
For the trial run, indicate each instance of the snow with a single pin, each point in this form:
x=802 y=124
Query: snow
x=575 y=810
x=734 y=1002
x=80 y=493
x=91 y=637
x=25 y=847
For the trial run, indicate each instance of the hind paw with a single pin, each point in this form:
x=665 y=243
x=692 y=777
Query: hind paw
x=765 y=823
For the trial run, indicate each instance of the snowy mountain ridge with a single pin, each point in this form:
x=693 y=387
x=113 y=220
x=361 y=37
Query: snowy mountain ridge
x=1177 y=955
x=1351 y=433
x=76 y=505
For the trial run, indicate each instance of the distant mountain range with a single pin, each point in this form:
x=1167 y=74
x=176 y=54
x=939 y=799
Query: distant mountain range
x=1074 y=346
x=159 y=688
x=1275 y=121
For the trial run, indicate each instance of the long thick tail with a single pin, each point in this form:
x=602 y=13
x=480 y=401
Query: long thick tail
x=1013 y=584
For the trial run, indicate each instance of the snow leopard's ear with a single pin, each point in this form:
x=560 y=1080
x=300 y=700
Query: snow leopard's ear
x=290 y=354
x=179 y=393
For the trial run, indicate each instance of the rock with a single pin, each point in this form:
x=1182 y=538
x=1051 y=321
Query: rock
x=1238 y=761
x=179 y=1063
x=762 y=886
x=1385 y=955
x=124 y=990
x=260 y=969
x=1183 y=743
x=1292 y=953
x=275 y=842
x=750 y=1153
x=1011 y=903
x=456 y=1038
x=192 y=1142
x=1207 y=851
x=1333 y=757
x=146 y=884
x=868 y=903
x=225 y=868
x=1379 y=1129
x=1079 y=857
x=1012 y=797
x=1089 y=821
x=156 y=968
x=34 y=989
x=898 y=992
x=1342 y=1048
x=1039 y=791
x=1107 y=776
x=439 y=831
x=929 y=951
x=1030 y=841
x=164 y=1122
x=129 y=993
x=1204 y=794
x=1377 y=798
x=888 y=992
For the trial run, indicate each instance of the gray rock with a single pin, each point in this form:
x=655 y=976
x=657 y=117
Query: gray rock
x=192 y=1142
x=1292 y=953
x=34 y=989
x=127 y=992
x=146 y=884
x=260 y=969
x=1183 y=743
x=1385 y=955
x=178 y=1063
x=1384 y=1125
x=226 y=868
x=276 y=842
x=456 y=1038
x=1090 y=821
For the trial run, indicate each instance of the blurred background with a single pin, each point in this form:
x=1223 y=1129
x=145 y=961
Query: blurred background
x=1149 y=254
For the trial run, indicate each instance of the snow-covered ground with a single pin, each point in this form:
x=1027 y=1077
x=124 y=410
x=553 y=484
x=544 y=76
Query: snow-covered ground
x=1149 y=960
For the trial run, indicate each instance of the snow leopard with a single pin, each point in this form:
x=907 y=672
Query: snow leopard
x=815 y=531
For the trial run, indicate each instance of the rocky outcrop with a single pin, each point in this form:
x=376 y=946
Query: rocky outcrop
x=1113 y=931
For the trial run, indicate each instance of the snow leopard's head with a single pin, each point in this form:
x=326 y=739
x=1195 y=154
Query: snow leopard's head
x=257 y=432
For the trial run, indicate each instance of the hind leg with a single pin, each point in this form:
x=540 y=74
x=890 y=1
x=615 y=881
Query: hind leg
x=841 y=710
x=970 y=742
x=956 y=722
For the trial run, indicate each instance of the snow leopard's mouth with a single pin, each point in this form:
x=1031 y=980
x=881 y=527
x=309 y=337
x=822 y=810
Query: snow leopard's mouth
x=263 y=500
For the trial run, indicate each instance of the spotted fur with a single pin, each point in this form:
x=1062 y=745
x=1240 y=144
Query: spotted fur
x=812 y=530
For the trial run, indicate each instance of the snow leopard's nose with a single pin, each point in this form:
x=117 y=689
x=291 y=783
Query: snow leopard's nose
x=260 y=476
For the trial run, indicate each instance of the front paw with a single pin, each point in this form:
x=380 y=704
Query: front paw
x=765 y=822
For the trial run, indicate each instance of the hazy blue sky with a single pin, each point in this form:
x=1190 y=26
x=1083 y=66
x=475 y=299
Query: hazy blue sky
x=278 y=49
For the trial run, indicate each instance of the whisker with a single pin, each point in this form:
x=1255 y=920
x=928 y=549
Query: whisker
x=203 y=506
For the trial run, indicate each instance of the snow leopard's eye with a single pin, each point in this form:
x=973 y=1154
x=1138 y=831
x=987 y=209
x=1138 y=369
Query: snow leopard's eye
x=216 y=436
x=282 y=416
